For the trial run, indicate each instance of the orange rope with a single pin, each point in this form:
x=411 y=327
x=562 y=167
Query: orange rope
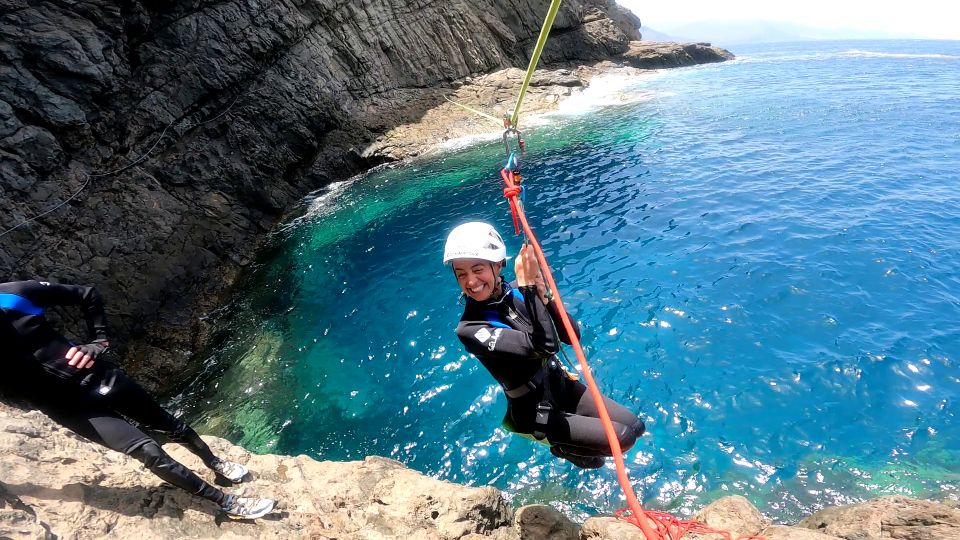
x=622 y=477
x=667 y=526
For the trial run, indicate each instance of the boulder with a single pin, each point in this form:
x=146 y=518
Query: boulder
x=888 y=517
x=734 y=514
x=537 y=521
x=609 y=528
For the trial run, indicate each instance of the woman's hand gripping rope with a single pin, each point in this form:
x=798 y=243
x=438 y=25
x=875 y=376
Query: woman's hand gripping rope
x=527 y=269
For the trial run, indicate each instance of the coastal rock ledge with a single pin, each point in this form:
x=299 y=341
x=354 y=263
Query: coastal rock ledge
x=55 y=485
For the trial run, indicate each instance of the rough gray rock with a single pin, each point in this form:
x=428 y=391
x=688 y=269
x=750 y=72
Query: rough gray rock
x=888 y=517
x=160 y=140
x=781 y=532
x=601 y=528
x=653 y=54
x=734 y=513
x=538 y=521
x=54 y=484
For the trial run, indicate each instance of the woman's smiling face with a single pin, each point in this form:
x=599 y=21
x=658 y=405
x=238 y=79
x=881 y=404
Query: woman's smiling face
x=477 y=278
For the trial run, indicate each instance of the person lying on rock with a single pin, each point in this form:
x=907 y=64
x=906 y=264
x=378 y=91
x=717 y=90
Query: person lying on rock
x=515 y=331
x=93 y=397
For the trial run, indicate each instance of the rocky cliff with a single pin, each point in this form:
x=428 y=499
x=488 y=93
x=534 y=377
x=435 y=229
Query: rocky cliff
x=55 y=485
x=156 y=141
x=178 y=132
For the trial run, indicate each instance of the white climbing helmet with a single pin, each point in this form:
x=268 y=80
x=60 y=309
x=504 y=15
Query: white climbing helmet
x=474 y=240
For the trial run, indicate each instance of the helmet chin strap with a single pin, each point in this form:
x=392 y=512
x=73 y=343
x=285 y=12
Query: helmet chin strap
x=500 y=285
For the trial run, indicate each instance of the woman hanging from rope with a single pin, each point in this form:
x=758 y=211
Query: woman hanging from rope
x=514 y=330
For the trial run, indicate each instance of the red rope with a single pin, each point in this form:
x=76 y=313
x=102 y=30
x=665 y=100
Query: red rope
x=511 y=192
x=656 y=525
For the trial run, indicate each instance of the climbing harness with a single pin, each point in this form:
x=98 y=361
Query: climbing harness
x=539 y=380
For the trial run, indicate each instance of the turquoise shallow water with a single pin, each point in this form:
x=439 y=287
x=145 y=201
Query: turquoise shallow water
x=763 y=254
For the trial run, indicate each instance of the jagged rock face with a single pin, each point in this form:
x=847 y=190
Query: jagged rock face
x=185 y=129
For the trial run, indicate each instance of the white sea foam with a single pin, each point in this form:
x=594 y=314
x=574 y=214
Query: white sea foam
x=605 y=91
x=822 y=56
x=470 y=140
x=319 y=203
x=778 y=58
x=872 y=54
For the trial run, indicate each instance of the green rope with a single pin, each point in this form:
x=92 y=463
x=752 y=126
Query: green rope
x=544 y=32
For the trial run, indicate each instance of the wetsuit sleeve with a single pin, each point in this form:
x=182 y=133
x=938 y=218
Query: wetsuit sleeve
x=558 y=323
x=493 y=341
x=481 y=338
x=496 y=341
x=48 y=295
x=544 y=336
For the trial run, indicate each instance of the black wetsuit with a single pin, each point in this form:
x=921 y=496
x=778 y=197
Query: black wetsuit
x=516 y=338
x=93 y=402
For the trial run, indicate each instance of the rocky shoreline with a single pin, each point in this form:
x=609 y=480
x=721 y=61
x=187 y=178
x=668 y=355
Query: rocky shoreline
x=55 y=485
x=496 y=93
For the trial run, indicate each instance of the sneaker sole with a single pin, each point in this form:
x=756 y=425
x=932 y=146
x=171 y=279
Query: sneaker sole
x=234 y=479
x=259 y=514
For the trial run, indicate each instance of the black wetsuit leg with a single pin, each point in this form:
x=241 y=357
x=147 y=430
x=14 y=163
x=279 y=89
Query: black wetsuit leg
x=122 y=394
x=574 y=424
x=578 y=429
x=173 y=472
x=99 y=425
x=84 y=414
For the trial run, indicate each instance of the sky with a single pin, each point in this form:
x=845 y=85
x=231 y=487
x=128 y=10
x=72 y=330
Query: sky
x=930 y=19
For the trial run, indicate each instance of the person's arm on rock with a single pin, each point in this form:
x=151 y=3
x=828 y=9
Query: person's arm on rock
x=46 y=295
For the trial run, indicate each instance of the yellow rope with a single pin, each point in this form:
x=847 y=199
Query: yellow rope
x=471 y=109
x=544 y=32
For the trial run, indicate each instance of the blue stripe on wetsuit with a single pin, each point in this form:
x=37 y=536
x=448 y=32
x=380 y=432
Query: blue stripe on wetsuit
x=15 y=302
x=493 y=317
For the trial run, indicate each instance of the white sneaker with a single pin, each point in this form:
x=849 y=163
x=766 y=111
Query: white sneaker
x=247 y=507
x=230 y=470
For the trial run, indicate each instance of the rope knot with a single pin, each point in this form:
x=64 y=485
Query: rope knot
x=512 y=191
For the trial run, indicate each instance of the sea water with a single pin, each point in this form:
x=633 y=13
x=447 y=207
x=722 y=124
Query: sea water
x=763 y=254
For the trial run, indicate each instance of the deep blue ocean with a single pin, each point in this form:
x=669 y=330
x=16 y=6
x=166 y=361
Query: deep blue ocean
x=764 y=255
